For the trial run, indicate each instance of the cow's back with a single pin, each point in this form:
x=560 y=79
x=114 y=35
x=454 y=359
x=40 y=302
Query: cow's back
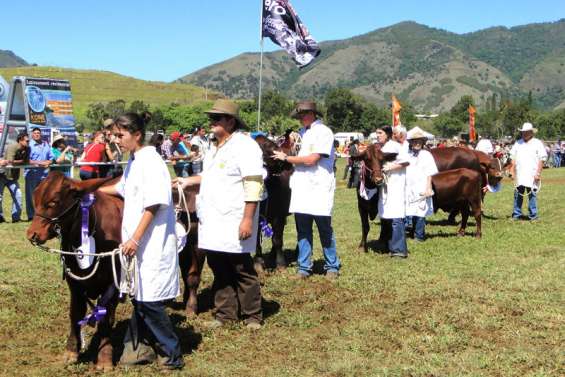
x=455 y=158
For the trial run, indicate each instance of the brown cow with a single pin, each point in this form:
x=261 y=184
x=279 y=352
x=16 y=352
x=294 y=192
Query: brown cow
x=57 y=210
x=191 y=258
x=459 y=189
x=370 y=178
x=275 y=208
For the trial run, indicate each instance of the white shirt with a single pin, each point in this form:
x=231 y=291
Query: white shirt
x=421 y=167
x=392 y=196
x=146 y=182
x=527 y=157
x=485 y=146
x=313 y=186
x=221 y=201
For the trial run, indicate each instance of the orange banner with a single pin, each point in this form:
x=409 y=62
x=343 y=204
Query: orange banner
x=396 y=107
x=472 y=132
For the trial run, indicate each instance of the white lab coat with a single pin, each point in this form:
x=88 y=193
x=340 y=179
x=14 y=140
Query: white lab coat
x=146 y=182
x=421 y=167
x=220 y=204
x=313 y=187
x=392 y=195
x=527 y=157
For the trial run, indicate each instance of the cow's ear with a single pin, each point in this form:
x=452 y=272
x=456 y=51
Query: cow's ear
x=87 y=186
x=389 y=156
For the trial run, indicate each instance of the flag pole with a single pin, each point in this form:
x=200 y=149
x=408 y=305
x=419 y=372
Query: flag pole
x=260 y=69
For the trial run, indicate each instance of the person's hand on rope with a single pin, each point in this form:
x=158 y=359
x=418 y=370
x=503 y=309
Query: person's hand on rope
x=186 y=182
x=129 y=248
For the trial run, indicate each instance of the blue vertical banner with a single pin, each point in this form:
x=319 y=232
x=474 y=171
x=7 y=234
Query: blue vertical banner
x=283 y=26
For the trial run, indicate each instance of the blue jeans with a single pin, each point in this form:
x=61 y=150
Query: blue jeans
x=181 y=170
x=397 y=242
x=15 y=192
x=532 y=202
x=419 y=227
x=31 y=183
x=151 y=324
x=327 y=239
x=557 y=159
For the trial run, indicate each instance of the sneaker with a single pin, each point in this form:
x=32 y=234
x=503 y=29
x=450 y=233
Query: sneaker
x=164 y=363
x=398 y=255
x=332 y=275
x=254 y=326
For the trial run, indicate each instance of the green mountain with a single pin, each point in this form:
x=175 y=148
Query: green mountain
x=426 y=67
x=9 y=59
x=89 y=86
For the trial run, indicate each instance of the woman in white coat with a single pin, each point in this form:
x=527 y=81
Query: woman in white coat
x=419 y=203
x=392 y=197
x=148 y=232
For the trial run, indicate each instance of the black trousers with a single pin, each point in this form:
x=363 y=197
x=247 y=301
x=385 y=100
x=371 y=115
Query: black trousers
x=237 y=292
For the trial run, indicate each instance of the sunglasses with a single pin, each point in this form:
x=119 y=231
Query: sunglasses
x=214 y=118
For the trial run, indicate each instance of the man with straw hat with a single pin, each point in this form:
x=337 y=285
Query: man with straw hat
x=313 y=186
x=419 y=203
x=231 y=185
x=528 y=155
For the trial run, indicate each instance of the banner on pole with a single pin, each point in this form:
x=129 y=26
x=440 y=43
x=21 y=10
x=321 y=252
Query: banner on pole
x=283 y=26
x=396 y=107
x=472 y=132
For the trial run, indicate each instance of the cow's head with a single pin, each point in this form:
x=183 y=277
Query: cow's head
x=374 y=159
x=494 y=171
x=57 y=205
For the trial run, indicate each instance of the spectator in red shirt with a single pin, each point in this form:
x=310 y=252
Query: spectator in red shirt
x=93 y=152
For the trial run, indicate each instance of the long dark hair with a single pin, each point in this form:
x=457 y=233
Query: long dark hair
x=133 y=122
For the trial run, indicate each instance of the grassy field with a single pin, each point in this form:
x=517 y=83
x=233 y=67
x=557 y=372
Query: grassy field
x=456 y=306
x=90 y=86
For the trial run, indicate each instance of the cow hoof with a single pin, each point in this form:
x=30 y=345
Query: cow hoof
x=281 y=267
x=70 y=357
x=190 y=313
x=104 y=366
x=461 y=233
x=259 y=268
x=478 y=235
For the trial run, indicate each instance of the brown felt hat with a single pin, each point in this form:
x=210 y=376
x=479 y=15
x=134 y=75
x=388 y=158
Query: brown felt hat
x=227 y=107
x=303 y=107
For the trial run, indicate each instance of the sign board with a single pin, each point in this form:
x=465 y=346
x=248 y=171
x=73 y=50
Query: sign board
x=39 y=102
x=4 y=90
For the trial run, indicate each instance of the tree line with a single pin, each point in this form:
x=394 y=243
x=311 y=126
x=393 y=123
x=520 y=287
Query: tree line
x=346 y=111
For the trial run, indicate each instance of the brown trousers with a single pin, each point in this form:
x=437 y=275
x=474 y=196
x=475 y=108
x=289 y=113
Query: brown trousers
x=237 y=292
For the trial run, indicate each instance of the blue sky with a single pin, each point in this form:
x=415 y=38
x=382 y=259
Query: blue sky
x=163 y=40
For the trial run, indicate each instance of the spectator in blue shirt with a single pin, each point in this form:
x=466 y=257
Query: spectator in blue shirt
x=40 y=156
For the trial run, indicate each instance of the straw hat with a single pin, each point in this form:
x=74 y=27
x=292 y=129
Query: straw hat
x=304 y=106
x=57 y=138
x=227 y=107
x=528 y=127
x=108 y=122
x=417 y=134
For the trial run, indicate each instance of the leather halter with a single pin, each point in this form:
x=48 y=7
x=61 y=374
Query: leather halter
x=57 y=219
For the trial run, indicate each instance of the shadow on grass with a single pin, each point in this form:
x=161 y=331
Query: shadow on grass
x=450 y=235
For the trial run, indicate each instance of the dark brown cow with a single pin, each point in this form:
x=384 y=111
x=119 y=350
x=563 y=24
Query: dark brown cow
x=275 y=209
x=459 y=189
x=371 y=177
x=57 y=209
x=191 y=258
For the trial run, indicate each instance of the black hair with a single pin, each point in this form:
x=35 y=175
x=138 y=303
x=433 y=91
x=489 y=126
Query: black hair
x=156 y=139
x=194 y=148
x=36 y=129
x=387 y=130
x=21 y=135
x=133 y=122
